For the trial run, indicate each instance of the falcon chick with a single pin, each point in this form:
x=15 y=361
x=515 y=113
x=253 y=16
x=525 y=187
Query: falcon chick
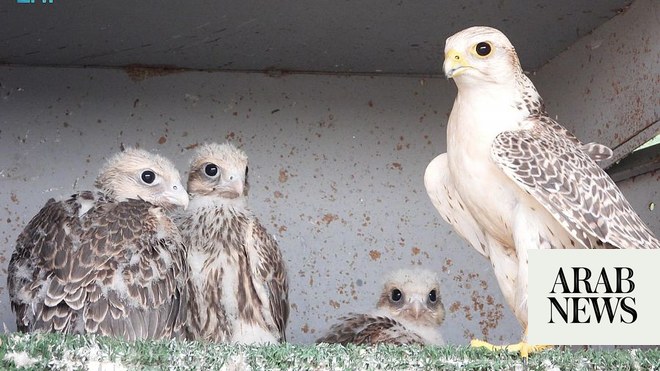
x=109 y=262
x=409 y=311
x=514 y=179
x=238 y=285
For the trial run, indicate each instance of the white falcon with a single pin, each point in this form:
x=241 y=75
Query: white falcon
x=238 y=280
x=513 y=179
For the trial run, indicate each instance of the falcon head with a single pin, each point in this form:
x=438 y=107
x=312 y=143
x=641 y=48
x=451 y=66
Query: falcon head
x=413 y=295
x=481 y=54
x=219 y=170
x=138 y=174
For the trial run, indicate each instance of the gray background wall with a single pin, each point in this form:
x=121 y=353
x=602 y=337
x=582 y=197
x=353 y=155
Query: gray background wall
x=336 y=162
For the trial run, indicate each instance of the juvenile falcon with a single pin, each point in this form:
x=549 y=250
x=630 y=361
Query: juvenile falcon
x=238 y=285
x=109 y=262
x=409 y=311
x=514 y=179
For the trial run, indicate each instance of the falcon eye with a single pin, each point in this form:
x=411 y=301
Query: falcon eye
x=395 y=295
x=211 y=170
x=148 y=176
x=483 y=48
x=432 y=296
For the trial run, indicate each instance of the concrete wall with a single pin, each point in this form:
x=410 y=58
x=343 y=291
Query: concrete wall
x=336 y=167
x=336 y=164
x=606 y=86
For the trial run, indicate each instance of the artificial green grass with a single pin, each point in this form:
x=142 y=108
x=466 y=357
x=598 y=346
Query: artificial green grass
x=59 y=352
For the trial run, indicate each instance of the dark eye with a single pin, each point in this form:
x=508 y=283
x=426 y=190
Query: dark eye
x=148 y=176
x=396 y=295
x=247 y=169
x=483 y=48
x=432 y=296
x=211 y=170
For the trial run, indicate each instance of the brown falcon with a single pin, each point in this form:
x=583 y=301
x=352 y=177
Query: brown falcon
x=514 y=179
x=109 y=262
x=238 y=285
x=409 y=311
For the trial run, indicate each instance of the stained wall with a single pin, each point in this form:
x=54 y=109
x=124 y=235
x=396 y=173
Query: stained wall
x=336 y=165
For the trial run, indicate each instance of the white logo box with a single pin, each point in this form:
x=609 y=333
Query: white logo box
x=634 y=316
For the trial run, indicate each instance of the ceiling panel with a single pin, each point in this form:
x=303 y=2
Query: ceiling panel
x=394 y=37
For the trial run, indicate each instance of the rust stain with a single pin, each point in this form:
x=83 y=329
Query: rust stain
x=490 y=314
x=415 y=250
x=162 y=139
x=278 y=194
x=192 y=146
x=396 y=166
x=329 y=218
x=284 y=176
x=282 y=229
x=334 y=304
x=468 y=312
x=231 y=134
x=367 y=220
x=305 y=328
x=401 y=145
x=482 y=307
x=14 y=198
x=374 y=254
x=138 y=72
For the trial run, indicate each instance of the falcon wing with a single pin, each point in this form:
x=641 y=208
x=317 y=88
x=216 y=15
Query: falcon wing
x=132 y=251
x=42 y=244
x=441 y=190
x=564 y=178
x=370 y=329
x=596 y=151
x=271 y=274
x=116 y=270
x=449 y=204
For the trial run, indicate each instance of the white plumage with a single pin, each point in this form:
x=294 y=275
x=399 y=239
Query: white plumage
x=513 y=179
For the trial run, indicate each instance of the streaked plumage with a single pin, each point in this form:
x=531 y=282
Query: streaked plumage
x=514 y=179
x=238 y=286
x=409 y=311
x=110 y=262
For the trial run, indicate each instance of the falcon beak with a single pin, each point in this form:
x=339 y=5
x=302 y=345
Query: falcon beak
x=232 y=188
x=177 y=195
x=455 y=64
x=416 y=308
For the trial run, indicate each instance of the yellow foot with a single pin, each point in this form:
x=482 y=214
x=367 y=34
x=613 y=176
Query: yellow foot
x=523 y=348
